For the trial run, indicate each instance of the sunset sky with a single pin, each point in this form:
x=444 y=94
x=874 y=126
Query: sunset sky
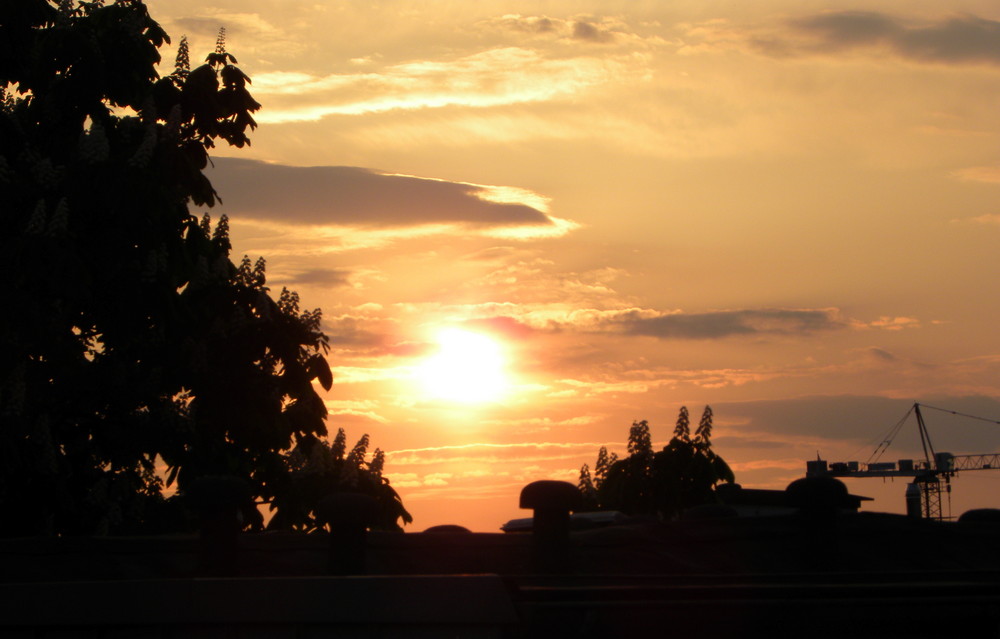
x=789 y=210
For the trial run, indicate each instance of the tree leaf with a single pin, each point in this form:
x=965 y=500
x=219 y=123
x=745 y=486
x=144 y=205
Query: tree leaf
x=320 y=368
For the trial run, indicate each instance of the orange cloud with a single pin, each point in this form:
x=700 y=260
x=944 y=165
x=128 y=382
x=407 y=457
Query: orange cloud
x=495 y=77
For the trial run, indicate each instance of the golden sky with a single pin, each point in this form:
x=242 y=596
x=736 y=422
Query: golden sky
x=788 y=210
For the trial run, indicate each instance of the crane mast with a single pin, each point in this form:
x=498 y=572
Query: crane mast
x=929 y=484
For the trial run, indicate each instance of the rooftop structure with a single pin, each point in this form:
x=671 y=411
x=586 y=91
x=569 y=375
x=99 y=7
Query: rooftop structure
x=713 y=573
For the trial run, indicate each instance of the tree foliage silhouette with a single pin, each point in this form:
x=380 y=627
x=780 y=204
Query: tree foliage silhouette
x=317 y=469
x=662 y=483
x=129 y=339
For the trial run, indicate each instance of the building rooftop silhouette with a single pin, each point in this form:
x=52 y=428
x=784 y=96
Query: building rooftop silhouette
x=714 y=573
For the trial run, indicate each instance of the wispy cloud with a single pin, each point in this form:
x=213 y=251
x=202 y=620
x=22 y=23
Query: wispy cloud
x=989 y=174
x=202 y=25
x=959 y=39
x=680 y=325
x=587 y=29
x=364 y=410
x=989 y=219
x=495 y=77
x=714 y=325
x=889 y=323
x=323 y=277
x=368 y=374
x=592 y=388
x=540 y=424
x=494 y=453
x=677 y=324
x=536 y=280
x=369 y=337
x=768 y=464
x=637 y=381
x=881 y=354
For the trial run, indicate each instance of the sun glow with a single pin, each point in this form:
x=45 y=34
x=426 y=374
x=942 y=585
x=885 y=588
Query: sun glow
x=467 y=367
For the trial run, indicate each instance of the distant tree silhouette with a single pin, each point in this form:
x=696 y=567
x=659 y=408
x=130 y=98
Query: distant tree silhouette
x=687 y=469
x=129 y=341
x=662 y=483
x=603 y=465
x=587 y=489
x=682 y=430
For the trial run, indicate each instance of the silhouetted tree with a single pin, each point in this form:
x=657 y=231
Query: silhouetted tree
x=318 y=469
x=129 y=341
x=628 y=484
x=682 y=475
x=687 y=469
x=682 y=430
x=586 y=487
x=604 y=463
x=704 y=432
x=639 y=441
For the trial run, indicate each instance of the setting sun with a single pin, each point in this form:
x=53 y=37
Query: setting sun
x=467 y=367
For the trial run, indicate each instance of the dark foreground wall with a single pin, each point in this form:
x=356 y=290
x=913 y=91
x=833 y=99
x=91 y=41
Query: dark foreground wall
x=489 y=606
x=268 y=608
x=859 y=576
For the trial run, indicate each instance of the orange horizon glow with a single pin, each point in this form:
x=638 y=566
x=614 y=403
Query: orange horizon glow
x=788 y=211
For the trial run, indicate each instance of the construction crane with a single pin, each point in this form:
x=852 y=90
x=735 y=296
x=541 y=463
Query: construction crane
x=931 y=475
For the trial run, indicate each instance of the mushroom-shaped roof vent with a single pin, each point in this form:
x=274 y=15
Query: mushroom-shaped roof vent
x=817 y=492
x=447 y=529
x=550 y=494
x=985 y=515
